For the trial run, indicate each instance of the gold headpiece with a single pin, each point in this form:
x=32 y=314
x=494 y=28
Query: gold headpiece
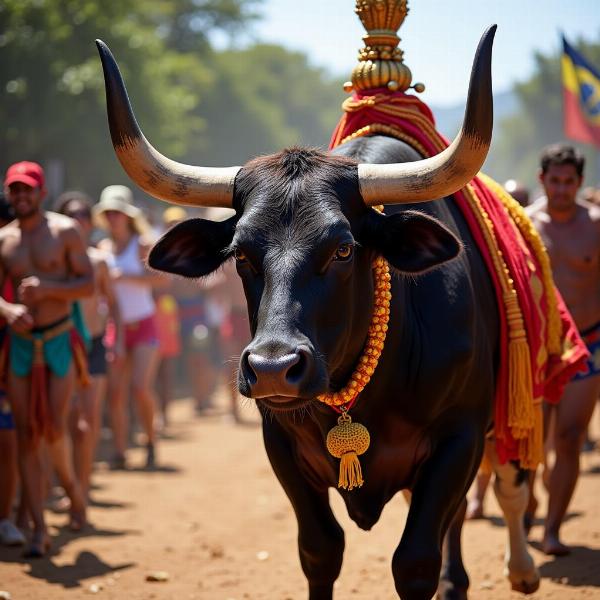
x=380 y=61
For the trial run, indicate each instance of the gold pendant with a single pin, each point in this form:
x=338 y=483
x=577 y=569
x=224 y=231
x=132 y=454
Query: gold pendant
x=346 y=441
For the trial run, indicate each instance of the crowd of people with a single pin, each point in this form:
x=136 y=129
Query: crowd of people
x=88 y=326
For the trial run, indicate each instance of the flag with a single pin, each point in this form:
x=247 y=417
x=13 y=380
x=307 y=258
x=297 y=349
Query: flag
x=581 y=96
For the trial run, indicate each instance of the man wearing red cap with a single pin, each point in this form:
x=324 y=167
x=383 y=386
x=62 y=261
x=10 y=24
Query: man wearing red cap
x=44 y=256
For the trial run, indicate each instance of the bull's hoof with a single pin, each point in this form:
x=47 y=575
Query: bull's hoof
x=525 y=587
x=526 y=582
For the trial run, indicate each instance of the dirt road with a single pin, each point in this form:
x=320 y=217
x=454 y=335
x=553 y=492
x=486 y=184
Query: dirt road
x=215 y=519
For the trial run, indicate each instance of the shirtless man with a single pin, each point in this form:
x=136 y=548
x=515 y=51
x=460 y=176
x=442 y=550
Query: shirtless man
x=571 y=231
x=44 y=256
x=97 y=310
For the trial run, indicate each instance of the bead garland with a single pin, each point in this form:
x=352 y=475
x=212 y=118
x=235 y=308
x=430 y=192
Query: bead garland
x=367 y=363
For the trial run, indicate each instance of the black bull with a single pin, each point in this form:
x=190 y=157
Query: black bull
x=304 y=242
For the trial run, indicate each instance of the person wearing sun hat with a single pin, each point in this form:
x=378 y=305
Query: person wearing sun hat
x=127 y=245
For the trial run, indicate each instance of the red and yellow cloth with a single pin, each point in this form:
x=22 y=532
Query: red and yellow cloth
x=539 y=344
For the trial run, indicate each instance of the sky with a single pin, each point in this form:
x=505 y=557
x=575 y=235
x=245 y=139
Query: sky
x=439 y=37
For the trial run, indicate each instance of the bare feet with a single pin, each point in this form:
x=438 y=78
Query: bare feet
x=39 y=545
x=77 y=520
x=474 y=510
x=150 y=456
x=552 y=546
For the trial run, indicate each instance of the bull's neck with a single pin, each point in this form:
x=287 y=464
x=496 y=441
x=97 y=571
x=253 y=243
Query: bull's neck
x=366 y=364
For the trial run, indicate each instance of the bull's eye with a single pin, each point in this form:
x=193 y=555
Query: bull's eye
x=239 y=255
x=344 y=252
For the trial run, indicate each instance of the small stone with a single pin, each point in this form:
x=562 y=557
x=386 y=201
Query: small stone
x=217 y=552
x=157 y=576
x=94 y=588
x=4 y=595
x=262 y=555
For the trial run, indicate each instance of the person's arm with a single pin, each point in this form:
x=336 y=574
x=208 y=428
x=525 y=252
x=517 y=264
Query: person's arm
x=17 y=315
x=105 y=289
x=80 y=284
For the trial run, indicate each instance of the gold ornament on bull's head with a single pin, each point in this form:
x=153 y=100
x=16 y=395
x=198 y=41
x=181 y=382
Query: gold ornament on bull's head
x=381 y=61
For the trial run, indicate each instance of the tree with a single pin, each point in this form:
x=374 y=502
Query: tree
x=264 y=98
x=51 y=86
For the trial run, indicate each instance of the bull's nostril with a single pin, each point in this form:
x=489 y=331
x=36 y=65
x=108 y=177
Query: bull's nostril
x=247 y=369
x=296 y=371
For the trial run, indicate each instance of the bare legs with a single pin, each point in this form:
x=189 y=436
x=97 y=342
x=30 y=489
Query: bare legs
x=139 y=371
x=203 y=375
x=60 y=390
x=475 y=503
x=573 y=414
x=119 y=376
x=166 y=375
x=8 y=471
x=144 y=364
x=86 y=429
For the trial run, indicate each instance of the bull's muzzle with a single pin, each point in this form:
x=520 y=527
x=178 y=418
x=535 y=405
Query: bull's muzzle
x=278 y=377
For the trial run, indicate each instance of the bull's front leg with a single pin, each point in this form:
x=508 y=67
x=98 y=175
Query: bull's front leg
x=439 y=489
x=320 y=537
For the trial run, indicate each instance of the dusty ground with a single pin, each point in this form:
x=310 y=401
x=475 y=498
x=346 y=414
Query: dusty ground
x=215 y=519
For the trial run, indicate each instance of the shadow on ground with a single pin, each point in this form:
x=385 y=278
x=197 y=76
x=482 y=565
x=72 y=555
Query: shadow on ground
x=87 y=565
x=580 y=568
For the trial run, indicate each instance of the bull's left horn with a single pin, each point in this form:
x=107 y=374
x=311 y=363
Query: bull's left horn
x=450 y=170
x=156 y=174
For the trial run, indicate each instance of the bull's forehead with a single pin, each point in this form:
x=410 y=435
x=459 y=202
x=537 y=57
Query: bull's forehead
x=298 y=198
x=299 y=231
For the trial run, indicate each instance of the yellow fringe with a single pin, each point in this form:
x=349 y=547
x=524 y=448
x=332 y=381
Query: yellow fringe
x=531 y=235
x=350 y=471
x=524 y=417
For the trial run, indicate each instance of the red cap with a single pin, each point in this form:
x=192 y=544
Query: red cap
x=29 y=173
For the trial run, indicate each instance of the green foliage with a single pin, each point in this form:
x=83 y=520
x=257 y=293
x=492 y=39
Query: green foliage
x=538 y=123
x=265 y=98
x=194 y=104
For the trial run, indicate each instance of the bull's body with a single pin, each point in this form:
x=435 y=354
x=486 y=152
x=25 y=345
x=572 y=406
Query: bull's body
x=435 y=378
x=427 y=406
x=305 y=238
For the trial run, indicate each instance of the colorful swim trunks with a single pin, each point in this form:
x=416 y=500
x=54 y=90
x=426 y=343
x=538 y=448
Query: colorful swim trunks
x=50 y=348
x=591 y=338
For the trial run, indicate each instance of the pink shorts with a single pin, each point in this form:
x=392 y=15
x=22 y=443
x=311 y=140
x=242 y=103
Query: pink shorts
x=141 y=333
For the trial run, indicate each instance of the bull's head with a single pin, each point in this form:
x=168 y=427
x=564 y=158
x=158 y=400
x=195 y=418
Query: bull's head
x=304 y=237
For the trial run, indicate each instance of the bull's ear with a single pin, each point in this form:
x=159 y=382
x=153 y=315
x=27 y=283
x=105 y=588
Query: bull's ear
x=411 y=241
x=193 y=248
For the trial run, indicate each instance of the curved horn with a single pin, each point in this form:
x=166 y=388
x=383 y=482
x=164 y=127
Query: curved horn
x=450 y=170
x=156 y=174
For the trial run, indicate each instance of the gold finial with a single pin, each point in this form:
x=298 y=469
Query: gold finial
x=380 y=61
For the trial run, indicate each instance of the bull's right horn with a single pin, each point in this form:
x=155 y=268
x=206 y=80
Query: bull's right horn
x=450 y=170
x=156 y=174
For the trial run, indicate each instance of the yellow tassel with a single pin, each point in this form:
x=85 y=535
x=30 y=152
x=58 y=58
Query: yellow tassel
x=531 y=448
x=520 y=384
x=346 y=441
x=520 y=396
x=350 y=471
